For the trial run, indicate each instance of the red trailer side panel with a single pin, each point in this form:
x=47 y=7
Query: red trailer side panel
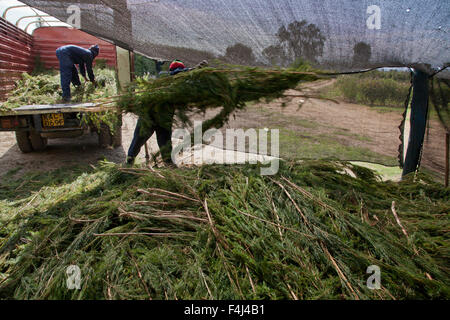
x=15 y=55
x=48 y=39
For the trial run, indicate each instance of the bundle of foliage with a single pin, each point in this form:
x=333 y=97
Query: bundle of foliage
x=208 y=88
x=44 y=88
x=223 y=232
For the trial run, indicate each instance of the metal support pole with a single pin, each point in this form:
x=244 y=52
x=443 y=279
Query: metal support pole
x=132 y=72
x=447 y=156
x=419 y=110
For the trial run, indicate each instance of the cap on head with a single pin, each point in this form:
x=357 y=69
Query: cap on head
x=95 y=50
x=176 y=64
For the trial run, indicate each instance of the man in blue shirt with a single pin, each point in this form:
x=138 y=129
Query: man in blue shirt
x=68 y=57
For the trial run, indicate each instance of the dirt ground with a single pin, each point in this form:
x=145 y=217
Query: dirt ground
x=350 y=120
x=350 y=124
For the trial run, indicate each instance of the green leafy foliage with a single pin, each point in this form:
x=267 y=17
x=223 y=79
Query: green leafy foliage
x=144 y=66
x=45 y=88
x=223 y=232
x=373 y=91
x=209 y=88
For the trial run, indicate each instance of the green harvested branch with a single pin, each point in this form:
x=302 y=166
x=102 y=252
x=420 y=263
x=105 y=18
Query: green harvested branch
x=244 y=239
x=208 y=88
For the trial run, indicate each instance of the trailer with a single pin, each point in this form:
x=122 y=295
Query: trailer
x=35 y=124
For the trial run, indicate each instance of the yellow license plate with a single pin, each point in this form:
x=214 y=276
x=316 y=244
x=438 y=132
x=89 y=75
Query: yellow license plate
x=53 y=120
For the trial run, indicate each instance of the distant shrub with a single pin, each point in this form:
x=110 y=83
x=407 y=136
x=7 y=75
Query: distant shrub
x=348 y=87
x=379 y=88
x=39 y=66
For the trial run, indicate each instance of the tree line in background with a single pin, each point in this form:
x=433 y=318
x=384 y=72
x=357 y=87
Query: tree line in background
x=299 y=40
x=302 y=41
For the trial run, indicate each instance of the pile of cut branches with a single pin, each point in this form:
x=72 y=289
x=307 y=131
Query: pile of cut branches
x=45 y=88
x=223 y=232
x=154 y=100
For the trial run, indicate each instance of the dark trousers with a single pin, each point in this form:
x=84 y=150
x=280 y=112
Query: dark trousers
x=68 y=72
x=163 y=136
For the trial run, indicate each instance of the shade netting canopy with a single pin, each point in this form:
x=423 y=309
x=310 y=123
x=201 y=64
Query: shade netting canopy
x=341 y=35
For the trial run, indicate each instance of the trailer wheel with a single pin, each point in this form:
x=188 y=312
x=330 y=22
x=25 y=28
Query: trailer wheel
x=23 y=141
x=37 y=142
x=104 y=136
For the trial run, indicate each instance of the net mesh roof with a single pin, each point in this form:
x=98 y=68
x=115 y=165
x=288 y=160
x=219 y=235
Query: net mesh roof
x=342 y=35
x=26 y=17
